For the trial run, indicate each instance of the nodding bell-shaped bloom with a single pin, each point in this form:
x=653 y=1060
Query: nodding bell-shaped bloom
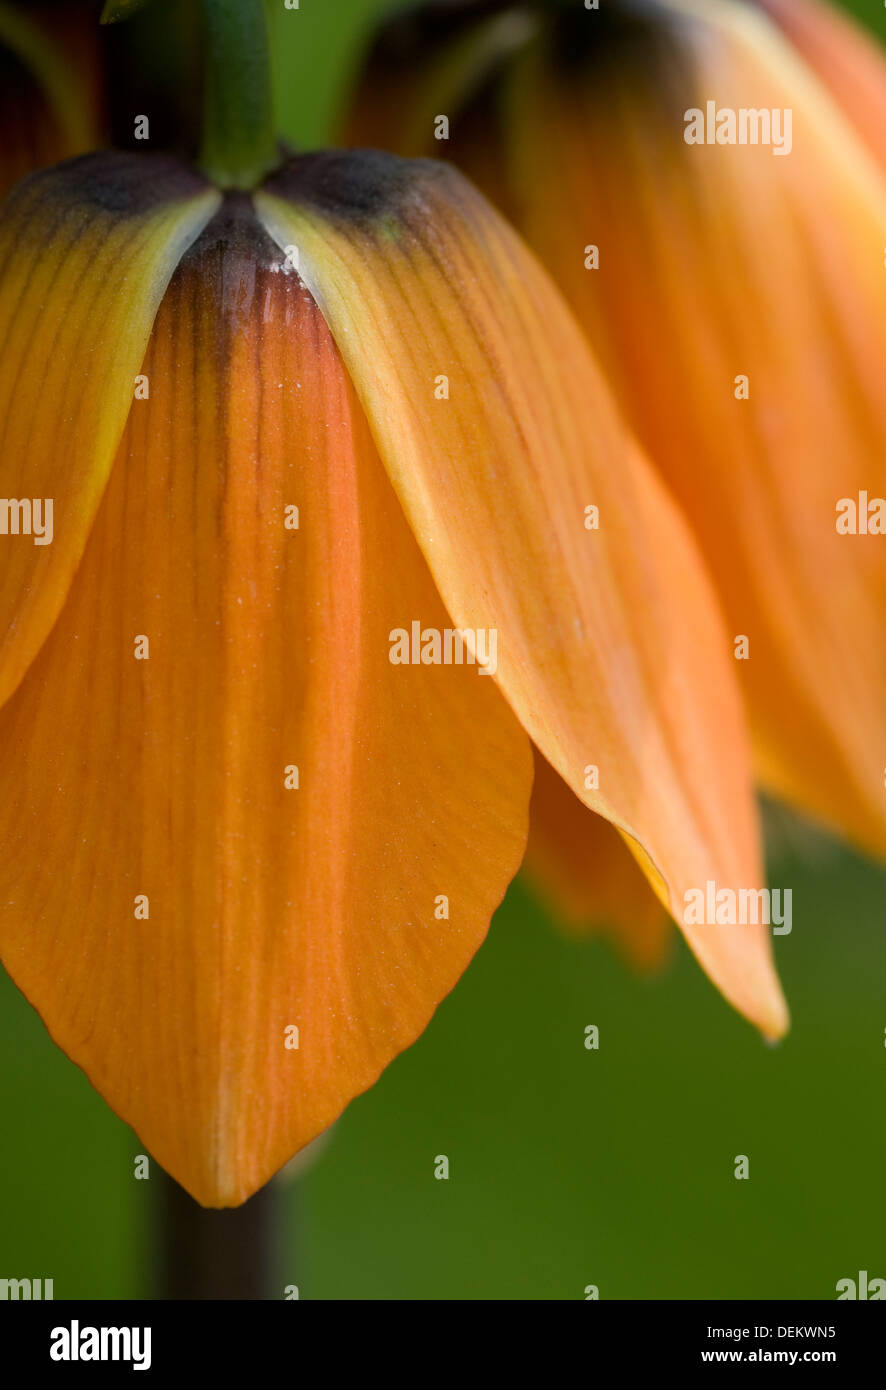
x=300 y=571
x=704 y=179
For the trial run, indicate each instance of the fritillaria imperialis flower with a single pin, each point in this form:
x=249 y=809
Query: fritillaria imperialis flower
x=280 y=420
x=733 y=293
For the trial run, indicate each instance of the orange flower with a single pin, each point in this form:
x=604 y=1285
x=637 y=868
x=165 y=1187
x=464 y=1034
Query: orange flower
x=297 y=569
x=730 y=280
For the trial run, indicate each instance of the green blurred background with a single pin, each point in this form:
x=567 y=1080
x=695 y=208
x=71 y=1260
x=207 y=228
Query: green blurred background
x=567 y=1167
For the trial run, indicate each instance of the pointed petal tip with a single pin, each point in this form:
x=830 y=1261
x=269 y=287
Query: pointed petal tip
x=745 y=974
x=346 y=903
x=431 y=280
x=776 y=1027
x=777 y=1024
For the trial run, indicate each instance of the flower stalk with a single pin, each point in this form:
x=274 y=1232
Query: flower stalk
x=202 y=1254
x=239 y=144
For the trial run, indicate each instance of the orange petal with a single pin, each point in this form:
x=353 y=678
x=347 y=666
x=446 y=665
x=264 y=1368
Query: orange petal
x=719 y=263
x=582 y=864
x=86 y=252
x=320 y=906
x=843 y=55
x=611 y=649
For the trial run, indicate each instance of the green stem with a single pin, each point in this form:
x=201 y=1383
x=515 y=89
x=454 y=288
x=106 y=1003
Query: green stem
x=239 y=145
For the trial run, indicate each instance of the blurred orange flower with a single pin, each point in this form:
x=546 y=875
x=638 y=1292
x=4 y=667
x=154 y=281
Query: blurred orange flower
x=733 y=291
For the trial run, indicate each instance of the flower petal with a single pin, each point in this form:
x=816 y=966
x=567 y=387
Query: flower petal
x=612 y=652
x=577 y=860
x=86 y=252
x=843 y=55
x=317 y=906
x=739 y=308
x=425 y=62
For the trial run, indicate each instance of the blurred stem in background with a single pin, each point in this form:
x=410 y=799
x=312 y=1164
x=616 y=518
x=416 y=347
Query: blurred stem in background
x=205 y=1254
